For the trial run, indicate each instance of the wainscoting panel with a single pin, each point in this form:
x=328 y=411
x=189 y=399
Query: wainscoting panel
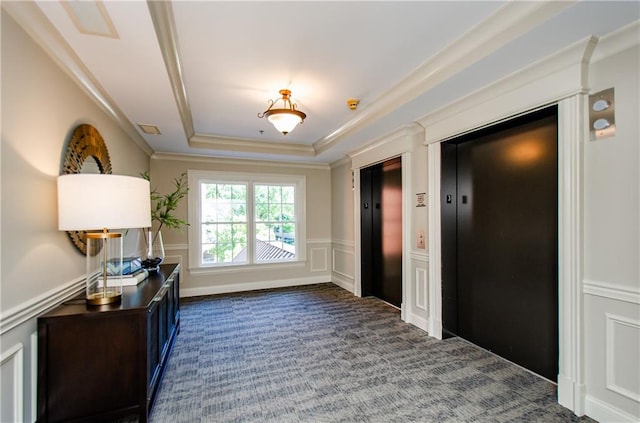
x=622 y=367
x=12 y=365
x=612 y=348
x=417 y=308
x=318 y=259
x=421 y=288
x=343 y=264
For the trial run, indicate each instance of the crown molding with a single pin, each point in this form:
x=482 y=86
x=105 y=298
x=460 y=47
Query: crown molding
x=236 y=161
x=615 y=42
x=390 y=145
x=216 y=142
x=556 y=77
x=162 y=17
x=507 y=23
x=29 y=16
x=346 y=160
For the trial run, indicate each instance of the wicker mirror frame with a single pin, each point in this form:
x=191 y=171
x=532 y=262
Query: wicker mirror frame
x=86 y=142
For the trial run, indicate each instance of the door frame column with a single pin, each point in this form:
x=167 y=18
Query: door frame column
x=561 y=80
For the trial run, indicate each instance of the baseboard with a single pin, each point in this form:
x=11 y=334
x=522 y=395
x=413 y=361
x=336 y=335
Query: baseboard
x=418 y=321
x=342 y=282
x=251 y=286
x=606 y=413
x=571 y=395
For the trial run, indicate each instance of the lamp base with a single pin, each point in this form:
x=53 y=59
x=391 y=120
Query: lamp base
x=99 y=299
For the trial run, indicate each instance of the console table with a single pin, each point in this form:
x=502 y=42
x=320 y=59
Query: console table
x=97 y=363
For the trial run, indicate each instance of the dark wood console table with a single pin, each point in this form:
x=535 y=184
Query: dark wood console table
x=97 y=363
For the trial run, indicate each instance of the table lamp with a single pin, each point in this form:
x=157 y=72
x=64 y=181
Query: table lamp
x=98 y=203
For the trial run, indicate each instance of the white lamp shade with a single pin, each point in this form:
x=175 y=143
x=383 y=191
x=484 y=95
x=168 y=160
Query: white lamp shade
x=284 y=122
x=98 y=201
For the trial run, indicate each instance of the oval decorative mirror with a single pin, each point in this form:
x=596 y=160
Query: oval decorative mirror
x=86 y=153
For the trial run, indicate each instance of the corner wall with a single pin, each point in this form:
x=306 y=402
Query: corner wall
x=41 y=106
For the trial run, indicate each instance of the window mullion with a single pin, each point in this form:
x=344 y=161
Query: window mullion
x=250 y=223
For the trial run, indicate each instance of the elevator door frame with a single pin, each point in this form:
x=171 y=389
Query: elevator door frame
x=572 y=122
x=407 y=297
x=376 y=280
x=453 y=167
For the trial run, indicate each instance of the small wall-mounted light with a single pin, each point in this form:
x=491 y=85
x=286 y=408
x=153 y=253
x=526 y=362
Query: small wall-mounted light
x=602 y=120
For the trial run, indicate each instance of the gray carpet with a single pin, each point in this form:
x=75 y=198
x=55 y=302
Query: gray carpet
x=318 y=354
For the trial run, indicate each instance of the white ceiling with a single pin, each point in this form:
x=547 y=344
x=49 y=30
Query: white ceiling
x=202 y=70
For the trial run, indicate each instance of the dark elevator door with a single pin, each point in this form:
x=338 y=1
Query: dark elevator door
x=506 y=262
x=381 y=231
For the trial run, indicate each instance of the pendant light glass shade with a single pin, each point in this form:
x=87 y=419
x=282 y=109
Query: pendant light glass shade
x=284 y=119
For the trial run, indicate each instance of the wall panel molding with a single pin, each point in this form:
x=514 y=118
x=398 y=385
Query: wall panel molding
x=319 y=241
x=421 y=288
x=344 y=243
x=422 y=257
x=622 y=349
x=612 y=291
x=32 y=308
x=318 y=259
x=339 y=264
x=176 y=247
x=12 y=363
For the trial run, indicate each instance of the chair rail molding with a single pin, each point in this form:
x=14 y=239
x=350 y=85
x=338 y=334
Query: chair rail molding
x=611 y=291
x=22 y=313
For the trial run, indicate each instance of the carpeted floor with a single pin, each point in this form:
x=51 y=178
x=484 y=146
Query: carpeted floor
x=318 y=354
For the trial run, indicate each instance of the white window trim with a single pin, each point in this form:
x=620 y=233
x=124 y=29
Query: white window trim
x=195 y=177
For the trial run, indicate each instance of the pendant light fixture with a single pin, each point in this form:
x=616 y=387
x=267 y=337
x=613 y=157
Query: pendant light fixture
x=286 y=118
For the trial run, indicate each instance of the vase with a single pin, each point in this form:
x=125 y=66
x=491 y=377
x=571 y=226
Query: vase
x=155 y=251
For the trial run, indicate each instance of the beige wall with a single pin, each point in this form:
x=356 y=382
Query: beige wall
x=41 y=106
x=165 y=168
x=342 y=225
x=342 y=201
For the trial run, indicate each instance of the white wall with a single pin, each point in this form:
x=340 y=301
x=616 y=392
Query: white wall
x=612 y=243
x=316 y=268
x=41 y=106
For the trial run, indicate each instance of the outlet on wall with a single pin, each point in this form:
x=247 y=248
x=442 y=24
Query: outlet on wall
x=420 y=239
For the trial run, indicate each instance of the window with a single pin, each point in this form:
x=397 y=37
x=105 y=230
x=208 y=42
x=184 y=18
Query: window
x=245 y=219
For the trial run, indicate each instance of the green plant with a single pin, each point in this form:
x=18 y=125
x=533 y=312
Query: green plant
x=163 y=206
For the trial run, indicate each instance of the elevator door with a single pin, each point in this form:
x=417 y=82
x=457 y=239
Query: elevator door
x=381 y=231
x=504 y=202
